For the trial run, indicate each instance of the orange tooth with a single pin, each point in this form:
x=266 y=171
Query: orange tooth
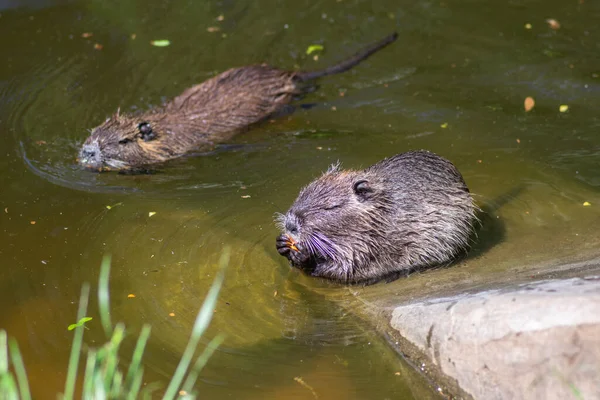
x=292 y=244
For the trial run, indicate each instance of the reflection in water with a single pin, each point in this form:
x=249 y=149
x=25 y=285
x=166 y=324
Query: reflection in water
x=461 y=99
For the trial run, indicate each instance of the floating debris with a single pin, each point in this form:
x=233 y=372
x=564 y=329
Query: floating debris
x=151 y=213
x=130 y=296
x=213 y=29
x=444 y=125
x=587 y=204
x=553 y=24
x=98 y=46
x=528 y=26
x=246 y=196
x=563 y=108
x=301 y=382
x=529 y=104
x=160 y=43
x=314 y=47
x=86 y=35
x=79 y=323
x=113 y=206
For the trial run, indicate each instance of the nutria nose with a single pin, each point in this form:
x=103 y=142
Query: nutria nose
x=291 y=226
x=86 y=153
x=90 y=155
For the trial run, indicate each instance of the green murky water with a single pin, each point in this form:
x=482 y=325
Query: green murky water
x=453 y=83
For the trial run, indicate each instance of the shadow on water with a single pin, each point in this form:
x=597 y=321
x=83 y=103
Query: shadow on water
x=491 y=230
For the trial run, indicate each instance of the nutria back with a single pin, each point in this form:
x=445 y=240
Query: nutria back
x=409 y=211
x=203 y=115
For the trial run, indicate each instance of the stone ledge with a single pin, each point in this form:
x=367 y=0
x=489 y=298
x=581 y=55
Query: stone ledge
x=538 y=340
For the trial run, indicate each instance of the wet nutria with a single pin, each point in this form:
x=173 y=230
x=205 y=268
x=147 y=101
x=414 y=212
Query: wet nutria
x=408 y=211
x=203 y=115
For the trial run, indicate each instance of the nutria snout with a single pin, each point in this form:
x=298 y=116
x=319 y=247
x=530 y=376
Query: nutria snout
x=203 y=115
x=408 y=211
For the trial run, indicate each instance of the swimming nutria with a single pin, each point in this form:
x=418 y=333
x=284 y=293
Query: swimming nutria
x=203 y=115
x=411 y=210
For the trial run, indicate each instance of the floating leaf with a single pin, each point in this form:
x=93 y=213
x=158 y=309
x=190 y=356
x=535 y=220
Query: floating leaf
x=160 y=43
x=529 y=104
x=553 y=24
x=587 y=204
x=444 y=125
x=151 y=213
x=113 y=206
x=80 y=323
x=528 y=26
x=563 y=108
x=314 y=47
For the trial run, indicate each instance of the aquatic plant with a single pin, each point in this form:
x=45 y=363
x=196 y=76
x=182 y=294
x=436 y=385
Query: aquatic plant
x=104 y=377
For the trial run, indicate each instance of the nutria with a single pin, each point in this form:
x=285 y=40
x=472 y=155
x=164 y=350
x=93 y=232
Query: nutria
x=203 y=115
x=408 y=211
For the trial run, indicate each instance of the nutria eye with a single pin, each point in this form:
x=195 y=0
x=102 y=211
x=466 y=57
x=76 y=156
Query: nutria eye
x=146 y=131
x=362 y=188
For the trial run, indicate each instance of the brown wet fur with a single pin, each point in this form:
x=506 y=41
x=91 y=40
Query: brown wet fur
x=407 y=212
x=203 y=115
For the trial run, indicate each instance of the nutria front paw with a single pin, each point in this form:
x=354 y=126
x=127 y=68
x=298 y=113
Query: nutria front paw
x=293 y=251
x=283 y=245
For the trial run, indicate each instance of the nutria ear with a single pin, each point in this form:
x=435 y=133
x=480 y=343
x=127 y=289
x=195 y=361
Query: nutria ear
x=146 y=131
x=362 y=188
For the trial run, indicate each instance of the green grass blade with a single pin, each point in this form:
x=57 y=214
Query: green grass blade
x=17 y=360
x=112 y=355
x=135 y=384
x=90 y=370
x=3 y=352
x=213 y=345
x=8 y=387
x=117 y=385
x=138 y=352
x=103 y=295
x=99 y=392
x=202 y=321
x=76 y=347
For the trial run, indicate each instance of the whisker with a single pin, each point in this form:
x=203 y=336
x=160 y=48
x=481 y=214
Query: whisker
x=279 y=220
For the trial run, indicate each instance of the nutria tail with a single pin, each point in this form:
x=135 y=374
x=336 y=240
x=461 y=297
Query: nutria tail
x=350 y=62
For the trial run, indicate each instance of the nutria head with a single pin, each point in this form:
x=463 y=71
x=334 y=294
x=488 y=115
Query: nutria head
x=123 y=142
x=337 y=223
x=409 y=211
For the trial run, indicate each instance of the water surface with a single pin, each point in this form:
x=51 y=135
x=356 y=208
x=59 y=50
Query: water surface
x=453 y=83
